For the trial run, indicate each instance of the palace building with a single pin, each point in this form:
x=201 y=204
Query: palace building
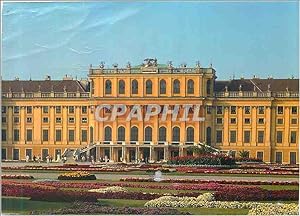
x=52 y=117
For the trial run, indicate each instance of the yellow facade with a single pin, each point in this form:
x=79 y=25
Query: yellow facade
x=265 y=123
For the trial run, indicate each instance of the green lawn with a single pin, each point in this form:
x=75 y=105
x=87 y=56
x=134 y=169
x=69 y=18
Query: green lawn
x=122 y=202
x=25 y=205
x=280 y=187
x=214 y=211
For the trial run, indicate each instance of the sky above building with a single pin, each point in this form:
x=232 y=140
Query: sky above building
x=240 y=39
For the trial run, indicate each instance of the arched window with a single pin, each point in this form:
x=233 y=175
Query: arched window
x=107 y=133
x=190 y=134
x=107 y=87
x=162 y=87
x=190 y=87
x=208 y=87
x=162 y=134
x=134 y=87
x=208 y=135
x=148 y=87
x=121 y=133
x=176 y=87
x=148 y=134
x=176 y=134
x=134 y=132
x=121 y=87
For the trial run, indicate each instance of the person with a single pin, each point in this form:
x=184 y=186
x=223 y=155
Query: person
x=48 y=159
x=34 y=158
x=92 y=160
x=27 y=158
x=39 y=159
x=51 y=158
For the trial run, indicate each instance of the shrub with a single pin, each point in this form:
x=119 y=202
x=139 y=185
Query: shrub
x=79 y=175
x=208 y=159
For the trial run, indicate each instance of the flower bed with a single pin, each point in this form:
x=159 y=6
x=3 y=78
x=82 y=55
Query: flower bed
x=207 y=201
x=79 y=175
x=18 y=176
x=201 y=181
x=113 y=189
x=209 y=159
x=81 y=208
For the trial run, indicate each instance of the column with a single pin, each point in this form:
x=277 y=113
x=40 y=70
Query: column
x=226 y=126
x=240 y=126
x=166 y=153
x=65 y=125
x=253 y=120
x=22 y=126
x=10 y=125
x=286 y=119
x=52 y=125
x=37 y=124
x=77 y=125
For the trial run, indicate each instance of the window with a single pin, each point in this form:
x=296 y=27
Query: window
x=107 y=87
x=278 y=157
x=233 y=109
x=84 y=109
x=260 y=155
x=16 y=119
x=190 y=87
x=247 y=121
x=3 y=154
x=45 y=109
x=247 y=109
x=71 y=135
x=208 y=135
x=219 y=110
x=16 y=109
x=58 y=120
x=219 y=121
x=121 y=87
x=134 y=132
x=208 y=87
x=261 y=110
x=148 y=134
x=280 y=121
x=294 y=110
x=176 y=134
x=71 y=109
x=176 y=86
x=3 y=135
x=84 y=135
x=71 y=120
x=232 y=120
x=58 y=109
x=134 y=87
x=45 y=135
x=190 y=134
x=45 y=120
x=84 y=120
x=148 y=87
x=261 y=121
x=3 y=109
x=233 y=136
x=28 y=152
x=58 y=135
x=219 y=136
x=16 y=154
x=293 y=157
x=29 y=135
x=162 y=134
x=121 y=133
x=162 y=87
x=28 y=119
x=29 y=109
x=260 y=136
x=3 y=119
x=293 y=136
x=279 y=137
x=247 y=136
x=209 y=110
x=294 y=121
x=280 y=110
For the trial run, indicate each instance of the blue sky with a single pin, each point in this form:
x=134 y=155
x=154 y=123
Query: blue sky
x=240 y=39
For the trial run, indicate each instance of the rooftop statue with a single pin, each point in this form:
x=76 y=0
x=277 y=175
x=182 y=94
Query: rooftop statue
x=149 y=62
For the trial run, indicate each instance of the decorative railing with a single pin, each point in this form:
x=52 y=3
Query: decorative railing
x=95 y=71
x=28 y=95
x=251 y=94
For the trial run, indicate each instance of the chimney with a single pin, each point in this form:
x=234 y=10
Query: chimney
x=48 y=78
x=17 y=78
